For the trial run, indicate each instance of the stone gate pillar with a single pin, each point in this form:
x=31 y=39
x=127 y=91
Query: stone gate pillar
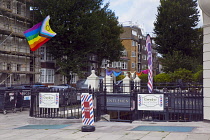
x=205 y=7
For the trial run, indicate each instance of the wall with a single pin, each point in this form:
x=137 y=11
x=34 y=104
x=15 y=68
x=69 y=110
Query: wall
x=205 y=6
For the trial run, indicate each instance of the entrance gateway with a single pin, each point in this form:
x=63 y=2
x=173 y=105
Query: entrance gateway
x=171 y=105
x=168 y=105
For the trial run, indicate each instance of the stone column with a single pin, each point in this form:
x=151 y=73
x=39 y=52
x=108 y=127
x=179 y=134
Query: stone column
x=126 y=85
x=93 y=81
x=205 y=6
x=137 y=82
x=109 y=83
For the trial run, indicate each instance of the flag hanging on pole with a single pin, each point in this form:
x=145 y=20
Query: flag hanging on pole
x=39 y=34
x=149 y=58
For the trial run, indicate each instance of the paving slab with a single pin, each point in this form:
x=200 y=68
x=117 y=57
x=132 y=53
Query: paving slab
x=104 y=130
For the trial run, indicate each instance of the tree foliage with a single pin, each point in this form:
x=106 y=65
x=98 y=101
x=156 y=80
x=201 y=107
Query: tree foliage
x=83 y=28
x=198 y=76
x=162 y=78
x=184 y=74
x=120 y=77
x=176 y=34
x=144 y=78
x=172 y=62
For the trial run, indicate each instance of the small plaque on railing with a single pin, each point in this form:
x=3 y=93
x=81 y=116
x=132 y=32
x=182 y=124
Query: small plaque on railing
x=48 y=100
x=150 y=102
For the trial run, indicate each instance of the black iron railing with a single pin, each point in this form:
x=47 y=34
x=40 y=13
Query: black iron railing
x=182 y=102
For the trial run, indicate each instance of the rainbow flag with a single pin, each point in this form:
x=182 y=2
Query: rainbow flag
x=39 y=34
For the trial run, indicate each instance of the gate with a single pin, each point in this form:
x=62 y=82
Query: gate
x=181 y=103
x=120 y=107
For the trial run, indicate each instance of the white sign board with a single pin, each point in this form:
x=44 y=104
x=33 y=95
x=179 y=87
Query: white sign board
x=150 y=102
x=48 y=100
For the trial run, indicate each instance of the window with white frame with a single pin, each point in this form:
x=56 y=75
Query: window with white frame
x=44 y=55
x=9 y=67
x=118 y=64
x=124 y=53
x=104 y=63
x=134 y=43
x=114 y=65
x=73 y=78
x=50 y=74
x=134 y=33
x=42 y=51
x=47 y=75
x=133 y=54
x=139 y=47
x=139 y=58
x=18 y=67
x=124 y=65
x=144 y=57
x=42 y=76
x=110 y=65
x=133 y=65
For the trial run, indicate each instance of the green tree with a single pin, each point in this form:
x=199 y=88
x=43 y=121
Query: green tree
x=176 y=33
x=184 y=74
x=198 y=76
x=162 y=78
x=81 y=27
x=172 y=62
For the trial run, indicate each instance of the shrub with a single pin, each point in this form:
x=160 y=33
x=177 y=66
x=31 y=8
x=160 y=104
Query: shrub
x=198 y=76
x=162 y=78
x=184 y=74
x=144 y=78
x=120 y=77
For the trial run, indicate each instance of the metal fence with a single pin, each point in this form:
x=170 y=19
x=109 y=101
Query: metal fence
x=69 y=104
x=182 y=102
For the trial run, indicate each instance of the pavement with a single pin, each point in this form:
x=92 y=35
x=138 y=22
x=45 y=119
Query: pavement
x=11 y=122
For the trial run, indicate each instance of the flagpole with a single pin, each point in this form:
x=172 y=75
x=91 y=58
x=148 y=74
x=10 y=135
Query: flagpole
x=6 y=38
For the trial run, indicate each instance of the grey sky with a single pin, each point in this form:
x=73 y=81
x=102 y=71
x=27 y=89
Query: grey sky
x=139 y=12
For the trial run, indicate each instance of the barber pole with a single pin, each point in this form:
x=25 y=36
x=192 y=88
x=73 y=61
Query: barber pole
x=149 y=58
x=87 y=109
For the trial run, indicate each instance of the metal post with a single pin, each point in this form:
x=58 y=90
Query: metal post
x=105 y=89
x=10 y=80
x=6 y=38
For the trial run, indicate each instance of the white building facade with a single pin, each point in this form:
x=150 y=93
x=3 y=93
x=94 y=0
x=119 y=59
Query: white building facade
x=205 y=6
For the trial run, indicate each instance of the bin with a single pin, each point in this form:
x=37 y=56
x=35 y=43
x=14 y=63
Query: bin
x=26 y=94
x=23 y=99
x=8 y=101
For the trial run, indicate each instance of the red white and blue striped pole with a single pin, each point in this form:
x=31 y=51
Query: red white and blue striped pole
x=87 y=109
x=149 y=58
